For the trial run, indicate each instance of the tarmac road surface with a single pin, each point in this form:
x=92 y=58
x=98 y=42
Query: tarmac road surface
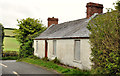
x=13 y=68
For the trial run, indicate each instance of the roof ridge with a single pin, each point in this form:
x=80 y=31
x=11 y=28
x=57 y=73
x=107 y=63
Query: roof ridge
x=72 y=21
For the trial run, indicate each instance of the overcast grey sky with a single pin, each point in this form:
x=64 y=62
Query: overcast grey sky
x=65 y=10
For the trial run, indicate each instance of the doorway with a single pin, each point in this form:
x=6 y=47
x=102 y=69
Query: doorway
x=46 y=48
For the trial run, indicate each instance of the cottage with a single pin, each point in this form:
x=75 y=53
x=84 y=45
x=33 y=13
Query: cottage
x=68 y=41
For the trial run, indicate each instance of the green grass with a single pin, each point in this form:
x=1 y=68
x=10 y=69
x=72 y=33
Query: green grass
x=10 y=44
x=52 y=66
x=9 y=32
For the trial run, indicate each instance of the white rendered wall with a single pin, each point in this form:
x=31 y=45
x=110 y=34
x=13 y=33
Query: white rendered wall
x=41 y=48
x=65 y=52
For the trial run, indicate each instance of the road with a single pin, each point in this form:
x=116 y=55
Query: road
x=11 y=67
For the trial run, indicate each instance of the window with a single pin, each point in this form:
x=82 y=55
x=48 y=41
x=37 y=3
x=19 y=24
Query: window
x=77 y=50
x=36 y=46
x=54 y=47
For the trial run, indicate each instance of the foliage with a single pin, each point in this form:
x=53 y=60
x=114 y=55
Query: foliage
x=9 y=58
x=118 y=6
x=29 y=28
x=105 y=42
x=33 y=57
x=56 y=60
x=52 y=66
x=9 y=53
x=26 y=49
x=45 y=59
x=2 y=33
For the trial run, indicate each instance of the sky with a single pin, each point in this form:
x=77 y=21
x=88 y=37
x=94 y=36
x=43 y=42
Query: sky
x=64 y=10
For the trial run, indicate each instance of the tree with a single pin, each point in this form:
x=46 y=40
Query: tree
x=105 y=42
x=1 y=37
x=118 y=6
x=29 y=28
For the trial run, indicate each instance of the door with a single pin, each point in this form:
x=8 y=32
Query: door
x=46 y=48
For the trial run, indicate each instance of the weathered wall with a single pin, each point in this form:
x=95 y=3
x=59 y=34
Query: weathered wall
x=85 y=53
x=41 y=48
x=65 y=52
x=50 y=49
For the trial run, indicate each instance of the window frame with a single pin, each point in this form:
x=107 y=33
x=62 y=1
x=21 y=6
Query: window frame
x=76 y=59
x=54 y=47
x=37 y=46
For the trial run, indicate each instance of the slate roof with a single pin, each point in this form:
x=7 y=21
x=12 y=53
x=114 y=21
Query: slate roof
x=71 y=29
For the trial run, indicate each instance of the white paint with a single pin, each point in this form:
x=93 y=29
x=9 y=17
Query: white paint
x=65 y=52
x=50 y=47
x=41 y=48
x=3 y=65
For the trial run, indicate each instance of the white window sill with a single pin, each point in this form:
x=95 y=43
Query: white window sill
x=76 y=61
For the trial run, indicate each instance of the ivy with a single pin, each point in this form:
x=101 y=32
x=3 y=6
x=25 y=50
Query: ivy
x=105 y=42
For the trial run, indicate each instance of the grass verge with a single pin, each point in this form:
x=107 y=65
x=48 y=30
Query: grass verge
x=10 y=44
x=9 y=58
x=52 y=66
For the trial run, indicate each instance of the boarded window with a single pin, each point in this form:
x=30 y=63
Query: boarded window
x=54 y=47
x=36 y=46
x=77 y=50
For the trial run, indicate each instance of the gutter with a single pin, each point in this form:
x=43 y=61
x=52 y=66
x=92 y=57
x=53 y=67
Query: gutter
x=62 y=38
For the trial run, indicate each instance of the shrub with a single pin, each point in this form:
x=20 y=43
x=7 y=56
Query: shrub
x=29 y=28
x=26 y=49
x=9 y=53
x=105 y=42
x=65 y=70
x=45 y=59
x=9 y=58
x=1 y=37
x=56 y=60
x=33 y=57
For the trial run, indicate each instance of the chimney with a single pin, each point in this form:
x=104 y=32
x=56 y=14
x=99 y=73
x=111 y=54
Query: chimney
x=52 y=21
x=94 y=8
